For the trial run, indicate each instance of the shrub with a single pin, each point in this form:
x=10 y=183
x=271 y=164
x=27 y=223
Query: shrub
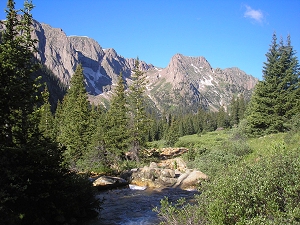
x=266 y=191
x=179 y=213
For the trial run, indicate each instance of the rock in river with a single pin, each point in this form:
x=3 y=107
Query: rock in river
x=108 y=182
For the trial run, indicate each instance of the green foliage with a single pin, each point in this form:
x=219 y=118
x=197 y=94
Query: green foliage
x=276 y=98
x=237 y=109
x=222 y=118
x=73 y=119
x=179 y=212
x=117 y=120
x=139 y=121
x=46 y=125
x=35 y=188
x=172 y=134
x=263 y=189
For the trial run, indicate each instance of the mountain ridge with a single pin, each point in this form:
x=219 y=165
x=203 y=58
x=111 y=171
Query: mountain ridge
x=186 y=82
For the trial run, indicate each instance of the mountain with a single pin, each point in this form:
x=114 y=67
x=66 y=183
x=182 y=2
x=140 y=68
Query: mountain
x=191 y=82
x=187 y=83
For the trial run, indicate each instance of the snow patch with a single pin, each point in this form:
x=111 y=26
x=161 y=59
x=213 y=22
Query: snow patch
x=93 y=77
x=150 y=97
x=196 y=69
x=207 y=82
x=78 y=36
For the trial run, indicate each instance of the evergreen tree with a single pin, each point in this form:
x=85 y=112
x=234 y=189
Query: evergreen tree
x=138 y=120
x=117 y=134
x=222 y=120
x=237 y=109
x=234 y=111
x=96 y=158
x=172 y=135
x=241 y=107
x=74 y=119
x=290 y=85
x=35 y=188
x=46 y=125
x=276 y=98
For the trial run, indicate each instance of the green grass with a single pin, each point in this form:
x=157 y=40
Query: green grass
x=207 y=140
x=252 y=181
x=264 y=146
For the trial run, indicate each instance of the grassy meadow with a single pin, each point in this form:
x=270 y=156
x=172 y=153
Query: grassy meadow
x=252 y=180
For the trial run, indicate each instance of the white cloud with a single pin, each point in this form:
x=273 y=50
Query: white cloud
x=256 y=15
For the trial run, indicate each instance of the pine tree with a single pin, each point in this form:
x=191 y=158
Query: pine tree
x=172 y=134
x=290 y=81
x=241 y=107
x=276 y=98
x=74 y=119
x=138 y=120
x=117 y=134
x=222 y=120
x=237 y=110
x=46 y=125
x=33 y=183
x=17 y=86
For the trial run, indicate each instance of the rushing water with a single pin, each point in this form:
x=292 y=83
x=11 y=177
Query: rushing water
x=135 y=207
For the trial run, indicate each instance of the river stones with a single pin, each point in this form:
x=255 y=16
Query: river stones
x=154 y=176
x=108 y=182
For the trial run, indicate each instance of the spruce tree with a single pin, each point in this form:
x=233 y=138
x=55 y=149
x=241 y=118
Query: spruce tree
x=33 y=182
x=46 y=125
x=222 y=120
x=138 y=120
x=276 y=98
x=74 y=120
x=117 y=134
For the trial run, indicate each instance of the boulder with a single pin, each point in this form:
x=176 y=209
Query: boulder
x=190 y=179
x=108 y=182
x=175 y=164
x=154 y=176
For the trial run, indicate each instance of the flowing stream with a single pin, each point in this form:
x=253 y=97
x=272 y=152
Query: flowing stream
x=135 y=207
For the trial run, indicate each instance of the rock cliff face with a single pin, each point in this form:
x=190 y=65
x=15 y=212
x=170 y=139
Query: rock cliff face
x=187 y=82
x=190 y=82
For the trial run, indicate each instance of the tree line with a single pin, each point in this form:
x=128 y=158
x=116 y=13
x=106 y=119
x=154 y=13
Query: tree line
x=107 y=139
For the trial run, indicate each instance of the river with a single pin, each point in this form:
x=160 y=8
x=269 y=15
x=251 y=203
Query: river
x=135 y=207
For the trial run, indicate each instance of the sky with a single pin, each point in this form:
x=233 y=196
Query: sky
x=228 y=33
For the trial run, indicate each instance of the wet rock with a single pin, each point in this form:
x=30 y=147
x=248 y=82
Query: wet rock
x=108 y=182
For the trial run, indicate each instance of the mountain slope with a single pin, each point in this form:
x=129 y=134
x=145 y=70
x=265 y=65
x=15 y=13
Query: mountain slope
x=187 y=83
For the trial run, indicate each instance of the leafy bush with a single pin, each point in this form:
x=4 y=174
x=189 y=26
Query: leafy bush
x=264 y=192
x=219 y=158
x=179 y=213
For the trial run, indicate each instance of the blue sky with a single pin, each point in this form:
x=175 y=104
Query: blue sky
x=228 y=33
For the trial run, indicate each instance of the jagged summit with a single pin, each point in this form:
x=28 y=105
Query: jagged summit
x=187 y=82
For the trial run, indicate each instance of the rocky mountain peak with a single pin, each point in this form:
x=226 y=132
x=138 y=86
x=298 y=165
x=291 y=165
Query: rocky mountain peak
x=187 y=82
x=110 y=52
